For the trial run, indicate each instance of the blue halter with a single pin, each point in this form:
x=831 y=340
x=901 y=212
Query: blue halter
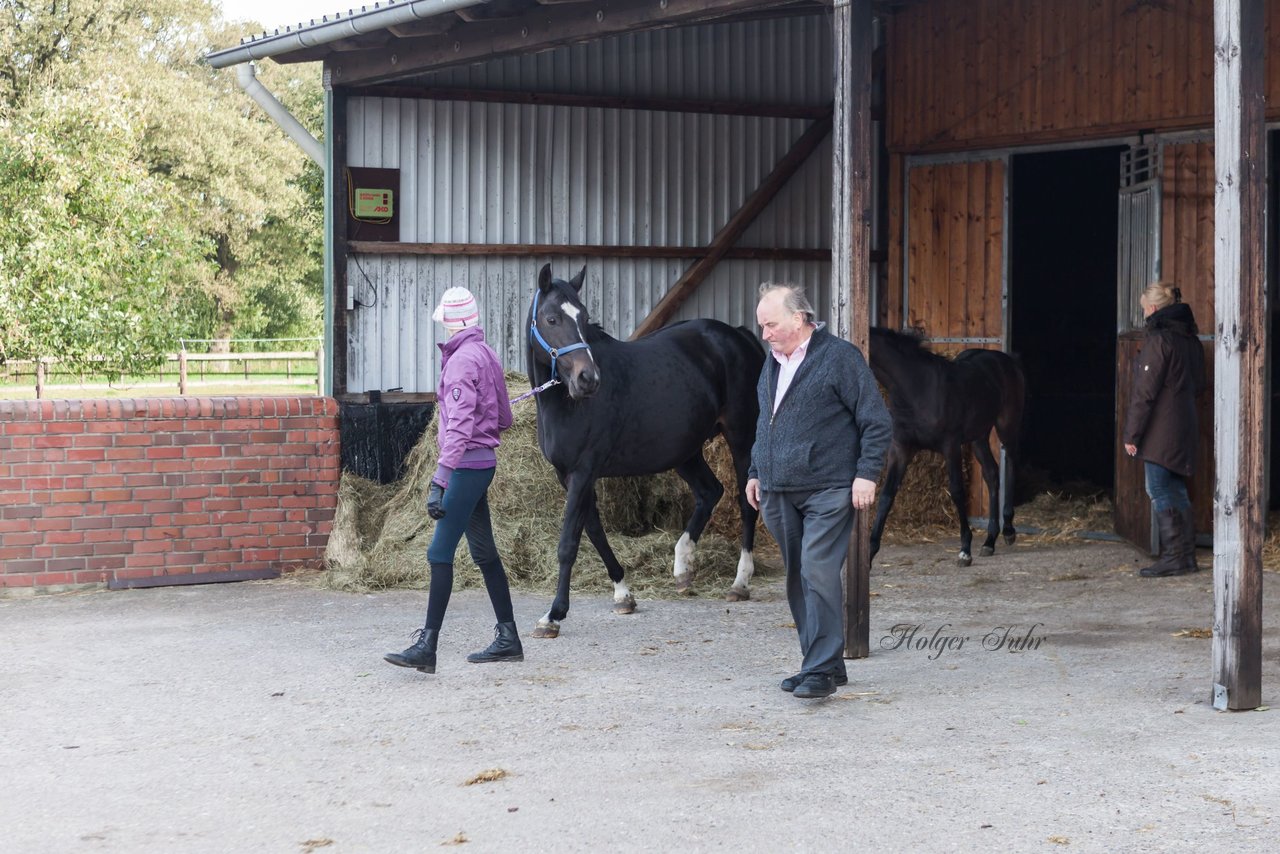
x=536 y=336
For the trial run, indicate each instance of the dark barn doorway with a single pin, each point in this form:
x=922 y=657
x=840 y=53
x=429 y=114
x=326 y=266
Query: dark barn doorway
x=1062 y=293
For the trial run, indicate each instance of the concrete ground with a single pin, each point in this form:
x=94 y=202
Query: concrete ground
x=260 y=717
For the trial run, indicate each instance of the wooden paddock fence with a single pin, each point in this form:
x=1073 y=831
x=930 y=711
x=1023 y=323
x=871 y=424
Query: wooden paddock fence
x=194 y=371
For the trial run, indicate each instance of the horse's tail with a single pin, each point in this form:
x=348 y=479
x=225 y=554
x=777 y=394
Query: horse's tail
x=1013 y=411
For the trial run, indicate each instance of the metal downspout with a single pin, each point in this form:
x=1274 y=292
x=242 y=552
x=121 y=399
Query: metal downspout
x=248 y=80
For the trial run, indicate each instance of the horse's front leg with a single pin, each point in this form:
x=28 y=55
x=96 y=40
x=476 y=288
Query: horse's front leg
x=623 y=601
x=991 y=476
x=899 y=459
x=955 y=484
x=740 y=591
x=707 y=491
x=578 y=488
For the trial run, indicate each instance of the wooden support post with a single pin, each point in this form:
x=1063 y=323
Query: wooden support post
x=39 y=378
x=850 y=260
x=1240 y=357
x=182 y=371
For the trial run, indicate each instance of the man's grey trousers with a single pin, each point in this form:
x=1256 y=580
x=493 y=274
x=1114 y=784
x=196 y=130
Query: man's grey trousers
x=812 y=530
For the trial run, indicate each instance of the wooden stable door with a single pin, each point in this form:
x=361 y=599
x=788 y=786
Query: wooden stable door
x=954 y=265
x=1166 y=232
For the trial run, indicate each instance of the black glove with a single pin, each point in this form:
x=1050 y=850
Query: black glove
x=435 y=500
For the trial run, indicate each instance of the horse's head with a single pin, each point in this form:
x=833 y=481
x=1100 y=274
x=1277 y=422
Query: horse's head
x=894 y=355
x=557 y=333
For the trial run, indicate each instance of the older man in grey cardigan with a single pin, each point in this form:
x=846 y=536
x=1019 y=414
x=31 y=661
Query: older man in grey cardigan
x=820 y=447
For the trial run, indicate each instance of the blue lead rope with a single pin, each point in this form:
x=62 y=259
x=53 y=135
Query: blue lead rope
x=528 y=394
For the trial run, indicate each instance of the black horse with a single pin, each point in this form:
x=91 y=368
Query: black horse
x=941 y=405
x=638 y=408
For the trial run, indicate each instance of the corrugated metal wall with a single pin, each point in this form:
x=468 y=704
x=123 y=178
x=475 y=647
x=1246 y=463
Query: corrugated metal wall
x=499 y=173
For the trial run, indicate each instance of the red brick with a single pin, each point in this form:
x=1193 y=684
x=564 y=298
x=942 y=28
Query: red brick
x=46 y=579
x=103 y=535
x=133 y=440
x=72 y=496
x=58 y=538
x=110 y=495
x=98 y=563
x=24 y=580
x=12 y=567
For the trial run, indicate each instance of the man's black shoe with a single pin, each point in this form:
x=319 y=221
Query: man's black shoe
x=789 y=684
x=815 y=685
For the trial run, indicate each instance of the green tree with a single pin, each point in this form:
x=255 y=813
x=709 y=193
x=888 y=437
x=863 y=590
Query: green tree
x=135 y=180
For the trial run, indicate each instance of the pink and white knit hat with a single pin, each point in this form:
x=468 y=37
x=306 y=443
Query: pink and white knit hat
x=457 y=309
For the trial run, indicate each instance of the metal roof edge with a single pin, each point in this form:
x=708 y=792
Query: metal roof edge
x=326 y=32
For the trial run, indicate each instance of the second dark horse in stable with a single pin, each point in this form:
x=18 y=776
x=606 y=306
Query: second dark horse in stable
x=941 y=405
x=638 y=408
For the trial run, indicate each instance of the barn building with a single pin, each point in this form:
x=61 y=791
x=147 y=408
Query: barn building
x=996 y=173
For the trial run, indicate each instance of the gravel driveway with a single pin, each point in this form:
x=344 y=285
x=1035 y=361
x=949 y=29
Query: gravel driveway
x=260 y=717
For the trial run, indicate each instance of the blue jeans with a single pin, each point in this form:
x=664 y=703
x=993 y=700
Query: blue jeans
x=1168 y=490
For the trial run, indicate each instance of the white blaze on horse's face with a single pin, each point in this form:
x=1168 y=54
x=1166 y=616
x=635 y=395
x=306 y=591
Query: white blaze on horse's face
x=584 y=376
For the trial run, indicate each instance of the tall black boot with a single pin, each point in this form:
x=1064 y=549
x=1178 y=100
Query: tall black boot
x=505 y=647
x=421 y=656
x=1189 y=540
x=1172 y=546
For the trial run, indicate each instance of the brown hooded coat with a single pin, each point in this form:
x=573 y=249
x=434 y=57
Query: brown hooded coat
x=1168 y=376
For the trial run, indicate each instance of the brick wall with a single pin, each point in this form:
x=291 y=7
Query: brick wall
x=93 y=491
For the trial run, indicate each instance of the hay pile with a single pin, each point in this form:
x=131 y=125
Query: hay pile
x=381 y=533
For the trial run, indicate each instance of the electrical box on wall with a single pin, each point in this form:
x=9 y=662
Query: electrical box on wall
x=373 y=203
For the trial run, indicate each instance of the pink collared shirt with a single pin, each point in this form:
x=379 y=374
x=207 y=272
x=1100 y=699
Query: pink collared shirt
x=790 y=364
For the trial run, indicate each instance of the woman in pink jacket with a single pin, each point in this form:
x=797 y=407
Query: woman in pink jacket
x=474 y=409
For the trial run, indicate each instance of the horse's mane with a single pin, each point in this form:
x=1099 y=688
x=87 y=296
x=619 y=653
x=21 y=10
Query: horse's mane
x=911 y=344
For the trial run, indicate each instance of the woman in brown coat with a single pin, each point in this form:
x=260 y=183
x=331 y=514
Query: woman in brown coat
x=1161 y=424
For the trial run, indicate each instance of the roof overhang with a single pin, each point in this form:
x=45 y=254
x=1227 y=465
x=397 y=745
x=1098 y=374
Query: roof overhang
x=416 y=36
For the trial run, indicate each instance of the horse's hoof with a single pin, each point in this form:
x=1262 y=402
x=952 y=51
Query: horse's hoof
x=965 y=559
x=625 y=606
x=987 y=551
x=737 y=594
x=1009 y=539
x=684 y=583
x=550 y=630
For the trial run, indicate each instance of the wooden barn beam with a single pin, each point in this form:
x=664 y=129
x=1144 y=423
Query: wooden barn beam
x=734 y=228
x=608 y=102
x=1240 y=357
x=541 y=28
x=581 y=250
x=851 y=213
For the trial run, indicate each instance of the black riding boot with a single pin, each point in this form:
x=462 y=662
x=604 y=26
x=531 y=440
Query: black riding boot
x=1173 y=539
x=1189 y=540
x=505 y=647
x=421 y=656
